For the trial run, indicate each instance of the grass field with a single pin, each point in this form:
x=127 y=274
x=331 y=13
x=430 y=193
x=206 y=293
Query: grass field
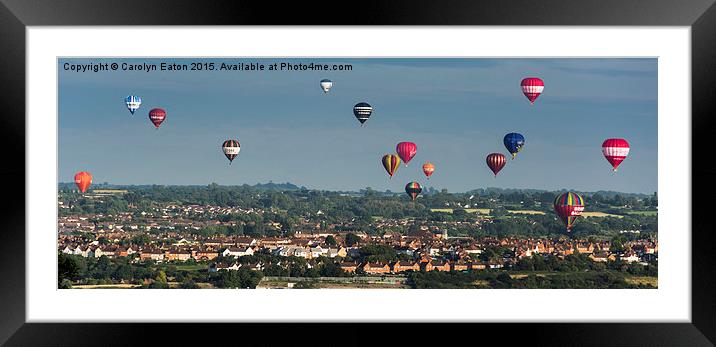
x=653 y=281
x=600 y=214
x=191 y=267
x=105 y=286
x=109 y=191
x=468 y=210
x=644 y=213
x=525 y=212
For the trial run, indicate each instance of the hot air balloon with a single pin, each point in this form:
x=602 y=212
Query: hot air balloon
x=362 y=111
x=496 y=161
x=568 y=207
x=157 y=116
x=326 y=85
x=406 y=151
x=413 y=189
x=391 y=162
x=133 y=102
x=532 y=87
x=83 y=180
x=514 y=142
x=231 y=149
x=428 y=169
x=615 y=150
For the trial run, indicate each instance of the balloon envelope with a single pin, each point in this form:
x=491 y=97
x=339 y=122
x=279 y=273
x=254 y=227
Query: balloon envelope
x=133 y=102
x=391 y=162
x=428 y=169
x=326 y=85
x=496 y=161
x=362 y=111
x=406 y=151
x=231 y=149
x=413 y=189
x=157 y=116
x=514 y=143
x=83 y=180
x=568 y=207
x=532 y=87
x=615 y=151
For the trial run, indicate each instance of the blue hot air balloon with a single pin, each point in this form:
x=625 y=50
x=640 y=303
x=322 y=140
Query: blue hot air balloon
x=514 y=143
x=133 y=102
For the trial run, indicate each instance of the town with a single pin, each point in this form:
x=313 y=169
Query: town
x=283 y=236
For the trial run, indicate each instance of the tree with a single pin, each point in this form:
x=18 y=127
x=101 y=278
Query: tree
x=67 y=268
x=352 y=239
x=330 y=240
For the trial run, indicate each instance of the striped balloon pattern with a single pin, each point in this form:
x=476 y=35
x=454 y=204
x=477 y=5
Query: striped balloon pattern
x=615 y=150
x=362 y=111
x=406 y=151
x=83 y=179
x=413 y=189
x=496 y=161
x=157 y=116
x=231 y=149
x=568 y=207
x=391 y=163
x=532 y=87
x=133 y=102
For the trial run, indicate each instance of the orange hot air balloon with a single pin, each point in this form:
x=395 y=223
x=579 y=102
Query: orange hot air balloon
x=391 y=162
x=83 y=180
x=428 y=169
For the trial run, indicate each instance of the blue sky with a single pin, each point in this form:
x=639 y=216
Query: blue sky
x=455 y=110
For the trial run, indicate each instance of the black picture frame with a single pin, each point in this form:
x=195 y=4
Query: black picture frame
x=16 y=15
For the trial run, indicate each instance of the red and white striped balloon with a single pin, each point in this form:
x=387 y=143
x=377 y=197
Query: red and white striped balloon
x=615 y=150
x=496 y=161
x=532 y=87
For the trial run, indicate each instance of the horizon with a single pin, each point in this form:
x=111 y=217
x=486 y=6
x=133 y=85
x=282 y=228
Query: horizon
x=456 y=110
x=299 y=186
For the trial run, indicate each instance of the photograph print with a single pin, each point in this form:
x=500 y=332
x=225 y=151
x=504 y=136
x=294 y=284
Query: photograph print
x=362 y=173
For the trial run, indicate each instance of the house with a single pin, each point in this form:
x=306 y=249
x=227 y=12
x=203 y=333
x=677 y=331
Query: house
x=629 y=257
x=348 y=266
x=103 y=251
x=317 y=251
x=496 y=265
x=68 y=250
x=402 y=266
x=177 y=255
x=154 y=254
x=478 y=266
x=254 y=267
x=602 y=257
x=472 y=249
x=437 y=265
x=204 y=255
x=223 y=266
x=336 y=252
x=238 y=251
x=461 y=265
x=246 y=241
x=376 y=268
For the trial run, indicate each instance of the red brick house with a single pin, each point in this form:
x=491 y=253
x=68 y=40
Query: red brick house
x=376 y=268
x=401 y=266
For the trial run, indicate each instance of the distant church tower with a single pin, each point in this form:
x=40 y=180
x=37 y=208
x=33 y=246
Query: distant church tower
x=445 y=236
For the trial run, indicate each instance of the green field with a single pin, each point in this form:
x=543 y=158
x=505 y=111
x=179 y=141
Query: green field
x=652 y=281
x=600 y=214
x=190 y=267
x=468 y=210
x=525 y=212
x=644 y=213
